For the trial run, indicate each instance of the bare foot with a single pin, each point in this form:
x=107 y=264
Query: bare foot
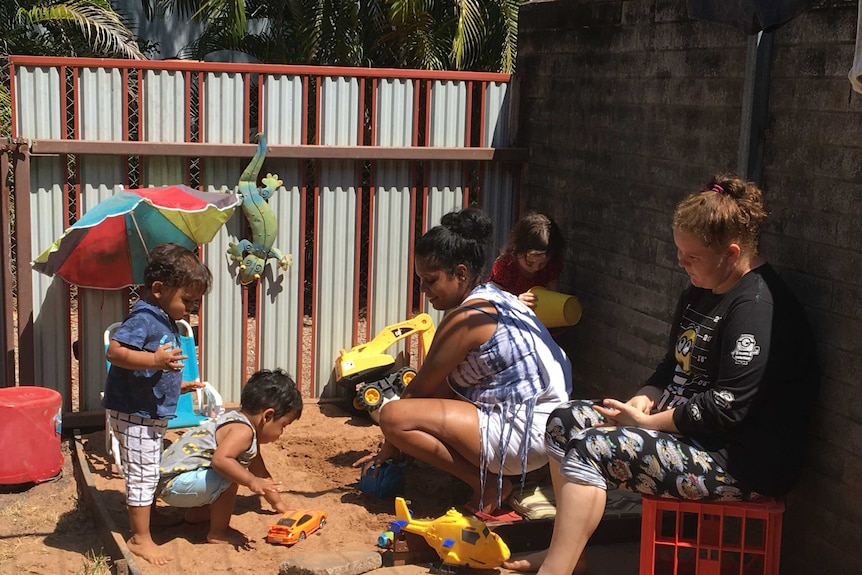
x=531 y=563
x=528 y=563
x=230 y=537
x=197 y=514
x=148 y=550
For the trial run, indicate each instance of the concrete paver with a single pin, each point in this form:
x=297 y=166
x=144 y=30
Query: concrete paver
x=331 y=563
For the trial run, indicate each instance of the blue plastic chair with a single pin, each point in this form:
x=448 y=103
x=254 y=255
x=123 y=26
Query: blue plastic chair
x=208 y=399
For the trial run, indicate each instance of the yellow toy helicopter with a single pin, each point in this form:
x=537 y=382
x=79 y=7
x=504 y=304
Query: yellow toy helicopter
x=369 y=371
x=459 y=540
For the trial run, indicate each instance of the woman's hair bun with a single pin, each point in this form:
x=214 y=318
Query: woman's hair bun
x=470 y=223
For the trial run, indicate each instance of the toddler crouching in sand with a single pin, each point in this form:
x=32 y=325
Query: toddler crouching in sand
x=203 y=469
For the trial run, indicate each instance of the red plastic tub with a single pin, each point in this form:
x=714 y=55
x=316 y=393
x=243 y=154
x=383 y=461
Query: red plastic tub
x=30 y=426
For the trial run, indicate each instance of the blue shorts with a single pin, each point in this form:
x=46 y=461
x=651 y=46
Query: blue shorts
x=194 y=488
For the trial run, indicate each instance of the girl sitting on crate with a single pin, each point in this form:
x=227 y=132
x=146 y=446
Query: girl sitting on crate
x=723 y=415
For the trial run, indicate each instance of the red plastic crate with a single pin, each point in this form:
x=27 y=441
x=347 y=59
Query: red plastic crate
x=681 y=537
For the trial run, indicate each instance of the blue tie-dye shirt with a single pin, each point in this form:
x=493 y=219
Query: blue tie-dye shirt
x=517 y=367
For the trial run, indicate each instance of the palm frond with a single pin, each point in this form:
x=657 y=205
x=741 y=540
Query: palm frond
x=406 y=11
x=469 y=33
x=306 y=15
x=509 y=49
x=150 y=8
x=102 y=27
x=5 y=111
x=181 y=8
x=432 y=34
x=231 y=14
x=425 y=51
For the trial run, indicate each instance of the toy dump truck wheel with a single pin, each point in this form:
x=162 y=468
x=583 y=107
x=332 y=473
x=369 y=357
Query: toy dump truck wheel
x=407 y=376
x=370 y=396
x=402 y=379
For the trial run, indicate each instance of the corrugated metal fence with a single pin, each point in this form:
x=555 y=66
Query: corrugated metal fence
x=369 y=158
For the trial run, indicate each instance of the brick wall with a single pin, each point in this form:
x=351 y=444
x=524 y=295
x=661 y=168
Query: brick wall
x=626 y=107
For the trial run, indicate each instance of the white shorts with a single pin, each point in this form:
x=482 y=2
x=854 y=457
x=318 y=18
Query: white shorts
x=140 y=441
x=194 y=488
x=536 y=457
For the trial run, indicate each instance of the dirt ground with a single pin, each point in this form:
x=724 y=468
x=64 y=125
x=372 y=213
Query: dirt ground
x=42 y=530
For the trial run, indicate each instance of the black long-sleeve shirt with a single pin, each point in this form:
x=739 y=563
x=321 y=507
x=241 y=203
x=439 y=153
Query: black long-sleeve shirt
x=742 y=373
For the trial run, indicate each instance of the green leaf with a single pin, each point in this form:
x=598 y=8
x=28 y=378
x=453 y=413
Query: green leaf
x=100 y=26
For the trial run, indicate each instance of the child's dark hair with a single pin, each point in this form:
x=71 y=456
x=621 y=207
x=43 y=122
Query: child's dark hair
x=177 y=266
x=461 y=238
x=274 y=389
x=536 y=232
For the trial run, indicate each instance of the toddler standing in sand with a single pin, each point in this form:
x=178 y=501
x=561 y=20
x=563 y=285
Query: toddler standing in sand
x=145 y=379
x=203 y=469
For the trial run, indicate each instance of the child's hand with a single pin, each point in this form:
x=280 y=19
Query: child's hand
x=188 y=386
x=275 y=502
x=169 y=358
x=263 y=486
x=528 y=299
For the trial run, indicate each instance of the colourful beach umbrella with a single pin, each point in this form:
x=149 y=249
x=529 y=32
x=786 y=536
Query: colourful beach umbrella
x=107 y=248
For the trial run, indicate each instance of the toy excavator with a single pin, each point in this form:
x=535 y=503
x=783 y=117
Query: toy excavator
x=459 y=540
x=370 y=371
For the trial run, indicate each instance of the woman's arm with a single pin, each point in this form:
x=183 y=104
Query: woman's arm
x=744 y=354
x=461 y=331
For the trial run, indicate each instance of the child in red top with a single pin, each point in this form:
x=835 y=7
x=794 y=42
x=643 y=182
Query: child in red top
x=533 y=256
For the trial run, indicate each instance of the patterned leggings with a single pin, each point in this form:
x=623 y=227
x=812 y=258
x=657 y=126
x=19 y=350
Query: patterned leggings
x=635 y=459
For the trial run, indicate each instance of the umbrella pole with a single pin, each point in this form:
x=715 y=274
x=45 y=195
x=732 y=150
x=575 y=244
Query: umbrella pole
x=140 y=236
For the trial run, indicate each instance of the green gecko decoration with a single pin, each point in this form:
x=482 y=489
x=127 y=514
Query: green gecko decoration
x=252 y=255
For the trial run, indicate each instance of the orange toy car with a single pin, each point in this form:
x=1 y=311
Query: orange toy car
x=295 y=525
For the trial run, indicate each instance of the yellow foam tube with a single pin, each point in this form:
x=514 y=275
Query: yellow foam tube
x=555 y=309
